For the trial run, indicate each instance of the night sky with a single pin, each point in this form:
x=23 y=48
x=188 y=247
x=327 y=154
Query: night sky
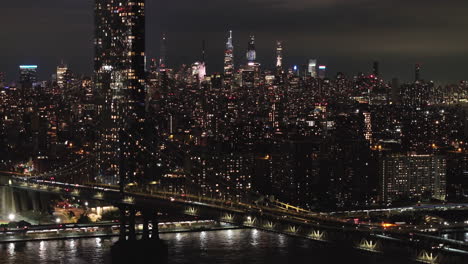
x=346 y=35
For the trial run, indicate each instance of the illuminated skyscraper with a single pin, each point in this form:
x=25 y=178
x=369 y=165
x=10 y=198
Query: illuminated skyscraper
x=313 y=68
x=199 y=67
x=120 y=82
x=322 y=72
x=61 y=72
x=199 y=71
x=28 y=75
x=279 y=54
x=251 y=53
x=229 y=61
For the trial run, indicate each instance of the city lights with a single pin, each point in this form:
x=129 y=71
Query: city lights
x=275 y=129
x=11 y=217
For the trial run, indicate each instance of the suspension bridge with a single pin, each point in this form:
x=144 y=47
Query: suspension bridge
x=224 y=201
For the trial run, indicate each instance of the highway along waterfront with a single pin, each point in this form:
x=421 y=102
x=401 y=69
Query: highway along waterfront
x=74 y=231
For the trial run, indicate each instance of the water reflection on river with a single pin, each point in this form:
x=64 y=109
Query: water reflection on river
x=228 y=246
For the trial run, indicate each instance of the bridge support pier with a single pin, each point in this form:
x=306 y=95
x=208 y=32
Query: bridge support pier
x=131 y=250
x=145 y=225
x=155 y=224
x=131 y=225
x=123 y=223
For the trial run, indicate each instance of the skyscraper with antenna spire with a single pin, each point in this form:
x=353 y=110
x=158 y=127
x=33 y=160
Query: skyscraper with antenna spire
x=279 y=54
x=203 y=51
x=163 y=50
x=251 y=71
x=229 y=61
x=161 y=73
x=202 y=65
x=279 y=58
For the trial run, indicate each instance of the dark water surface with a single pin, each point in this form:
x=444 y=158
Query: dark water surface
x=228 y=246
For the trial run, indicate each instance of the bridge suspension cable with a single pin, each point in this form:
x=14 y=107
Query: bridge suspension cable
x=61 y=171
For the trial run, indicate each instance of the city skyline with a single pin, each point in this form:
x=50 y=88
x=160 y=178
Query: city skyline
x=440 y=51
x=321 y=121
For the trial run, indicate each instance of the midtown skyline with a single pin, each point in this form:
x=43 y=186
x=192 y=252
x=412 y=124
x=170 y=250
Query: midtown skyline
x=318 y=31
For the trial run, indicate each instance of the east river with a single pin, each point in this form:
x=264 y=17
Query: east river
x=227 y=246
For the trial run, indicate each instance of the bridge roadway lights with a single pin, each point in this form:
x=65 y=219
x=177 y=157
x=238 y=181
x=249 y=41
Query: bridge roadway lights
x=227 y=217
x=269 y=225
x=427 y=257
x=128 y=200
x=99 y=195
x=368 y=245
x=250 y=221
x=292 y=229
x=131 y=250
x=191 y=211
x=317 y=235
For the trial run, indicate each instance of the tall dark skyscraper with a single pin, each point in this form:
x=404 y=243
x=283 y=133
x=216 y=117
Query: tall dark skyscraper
x=229 y=61
x=163 y=51
x=2 y=78
x=203 y=58
x=417 y=72
x=376 y=69
x=396 y=97
x=120 y=81
x=251 y=53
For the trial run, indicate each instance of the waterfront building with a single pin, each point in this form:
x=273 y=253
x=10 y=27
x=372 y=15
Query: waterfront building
x=408 y=176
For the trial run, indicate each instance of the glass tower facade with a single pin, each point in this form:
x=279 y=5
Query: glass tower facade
x=120 y=83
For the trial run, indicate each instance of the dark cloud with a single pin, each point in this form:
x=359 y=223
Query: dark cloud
x=345 y=34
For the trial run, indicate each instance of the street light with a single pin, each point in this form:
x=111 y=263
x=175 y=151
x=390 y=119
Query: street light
x=11 y=217
x=57 y=220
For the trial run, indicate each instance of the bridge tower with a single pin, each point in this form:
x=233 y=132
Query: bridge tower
x=129 y=249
